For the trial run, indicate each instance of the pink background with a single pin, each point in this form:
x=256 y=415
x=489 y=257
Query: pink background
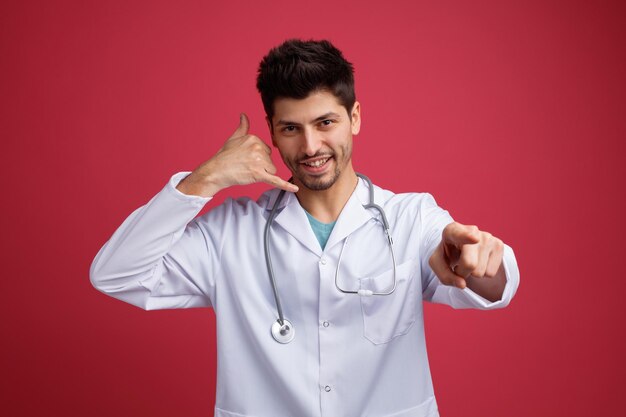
x=510 y=113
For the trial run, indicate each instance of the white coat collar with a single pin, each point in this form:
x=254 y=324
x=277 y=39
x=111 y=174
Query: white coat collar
x=292 y=217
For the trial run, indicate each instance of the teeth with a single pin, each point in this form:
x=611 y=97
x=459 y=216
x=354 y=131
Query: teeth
x=317 y=163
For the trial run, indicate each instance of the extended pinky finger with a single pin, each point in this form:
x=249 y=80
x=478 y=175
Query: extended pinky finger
x=279 y=183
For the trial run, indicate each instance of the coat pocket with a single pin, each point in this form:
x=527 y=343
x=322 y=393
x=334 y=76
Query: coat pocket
x=386 y=317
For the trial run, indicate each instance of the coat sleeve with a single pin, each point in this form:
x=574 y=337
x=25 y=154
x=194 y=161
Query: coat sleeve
x=160 y=257
x=433 y=220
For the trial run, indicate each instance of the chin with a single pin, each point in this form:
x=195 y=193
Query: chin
x=319 y=184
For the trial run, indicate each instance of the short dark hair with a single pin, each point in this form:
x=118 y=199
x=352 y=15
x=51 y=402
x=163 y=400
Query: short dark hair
x=296 y=68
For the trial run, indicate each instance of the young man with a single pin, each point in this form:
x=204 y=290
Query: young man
x=336 y=328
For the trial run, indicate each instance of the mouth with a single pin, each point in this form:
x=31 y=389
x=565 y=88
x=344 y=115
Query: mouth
x=316 y=165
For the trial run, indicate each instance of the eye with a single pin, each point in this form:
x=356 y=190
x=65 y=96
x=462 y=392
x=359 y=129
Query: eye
x=288 y=129
x=327 y=122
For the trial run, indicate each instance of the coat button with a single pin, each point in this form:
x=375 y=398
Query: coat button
x=326 y=324
x=327 y=388
x=323 y=261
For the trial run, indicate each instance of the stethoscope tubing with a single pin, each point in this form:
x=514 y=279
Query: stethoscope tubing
x=282 y=330
x=268 y=259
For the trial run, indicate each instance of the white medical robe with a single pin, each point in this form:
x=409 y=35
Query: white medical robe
x=352 y=355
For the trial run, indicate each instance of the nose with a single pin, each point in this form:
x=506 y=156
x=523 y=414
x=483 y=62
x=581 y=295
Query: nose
x=312 y=142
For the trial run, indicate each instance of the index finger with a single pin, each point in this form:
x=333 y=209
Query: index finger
x=443 y=271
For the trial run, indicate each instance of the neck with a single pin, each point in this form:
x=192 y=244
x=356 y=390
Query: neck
x=326 y=205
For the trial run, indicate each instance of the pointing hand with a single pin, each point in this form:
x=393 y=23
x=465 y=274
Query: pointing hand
x=466 y=252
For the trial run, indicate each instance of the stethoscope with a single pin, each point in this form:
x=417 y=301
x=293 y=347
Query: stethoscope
x=282 y=329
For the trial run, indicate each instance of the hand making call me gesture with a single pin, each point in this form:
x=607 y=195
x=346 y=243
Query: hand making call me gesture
x=466 y=256
x=244 y=159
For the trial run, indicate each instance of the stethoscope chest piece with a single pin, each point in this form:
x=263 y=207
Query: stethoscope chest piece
x=282 y=329
x=283 y=333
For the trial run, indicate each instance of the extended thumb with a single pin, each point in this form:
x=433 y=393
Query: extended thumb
x=244 y=125
x=459 y=234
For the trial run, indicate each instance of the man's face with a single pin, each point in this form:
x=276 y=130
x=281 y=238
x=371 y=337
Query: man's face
x=314 y=138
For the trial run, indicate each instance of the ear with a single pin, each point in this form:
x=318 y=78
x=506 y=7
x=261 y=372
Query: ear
x=356 y=118
x=271 y=129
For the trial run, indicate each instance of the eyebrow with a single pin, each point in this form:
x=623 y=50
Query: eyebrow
x=318 y=119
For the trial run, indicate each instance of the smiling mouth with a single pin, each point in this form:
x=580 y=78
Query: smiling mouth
x=317 y=163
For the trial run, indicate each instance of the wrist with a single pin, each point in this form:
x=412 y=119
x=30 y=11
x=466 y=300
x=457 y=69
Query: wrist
x=198 y=185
